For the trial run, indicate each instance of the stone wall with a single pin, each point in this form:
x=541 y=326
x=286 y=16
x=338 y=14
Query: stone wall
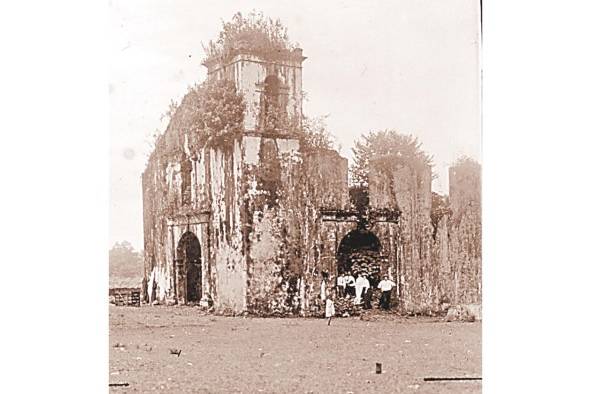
x=269 y=217
x=285 y=190
x=407 y=189
x=228 y=265
x=461 y=252
x=434 y=268
x=255 y=209
x=249 y=72
x=258 y=209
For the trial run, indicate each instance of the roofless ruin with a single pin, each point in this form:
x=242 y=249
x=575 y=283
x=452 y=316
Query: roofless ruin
x=242 y=212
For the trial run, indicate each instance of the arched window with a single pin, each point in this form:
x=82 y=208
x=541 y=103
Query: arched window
x=271 y=109
x=186 y=168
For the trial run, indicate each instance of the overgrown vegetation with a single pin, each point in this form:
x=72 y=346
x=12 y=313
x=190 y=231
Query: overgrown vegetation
x=253 y=34
x=390 y=148
x=366 y=262
x=439 y=208
x=311 y=131
x=359 y=197
x=466 y=163
x=314 y=134
x=217 y=113
x=125 y=262
x=211 y=114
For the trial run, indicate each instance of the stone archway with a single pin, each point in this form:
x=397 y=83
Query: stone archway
x=189 y=267
x=359 y=250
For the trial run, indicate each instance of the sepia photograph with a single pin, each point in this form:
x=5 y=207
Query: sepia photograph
x=276 y=196
x=295 y=197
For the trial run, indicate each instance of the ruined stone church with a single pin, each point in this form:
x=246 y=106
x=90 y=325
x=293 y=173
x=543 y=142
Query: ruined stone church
x=256 y=228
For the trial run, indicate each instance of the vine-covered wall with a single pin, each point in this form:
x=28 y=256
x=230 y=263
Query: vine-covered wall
x=437 y=264
x=269 y=213
x=263 y=244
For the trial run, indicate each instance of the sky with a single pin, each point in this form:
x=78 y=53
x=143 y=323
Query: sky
x=408 y=65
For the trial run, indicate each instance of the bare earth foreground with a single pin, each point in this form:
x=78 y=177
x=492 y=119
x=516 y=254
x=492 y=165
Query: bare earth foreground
x=272 y=355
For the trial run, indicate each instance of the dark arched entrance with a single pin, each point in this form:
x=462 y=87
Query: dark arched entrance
x=271 y=105
x=359 y=252
x=189 y=265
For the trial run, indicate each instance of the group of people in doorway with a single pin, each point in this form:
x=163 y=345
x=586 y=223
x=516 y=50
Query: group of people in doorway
x=361 y=290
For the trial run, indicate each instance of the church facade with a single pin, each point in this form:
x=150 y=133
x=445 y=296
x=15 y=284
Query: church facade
x=257 y=226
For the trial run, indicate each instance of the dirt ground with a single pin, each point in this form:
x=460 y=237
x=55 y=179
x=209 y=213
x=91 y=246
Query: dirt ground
x=272 y=355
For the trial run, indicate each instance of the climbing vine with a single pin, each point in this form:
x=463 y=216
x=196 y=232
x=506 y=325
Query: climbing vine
x=439 y=208
x=217 y=113
x=389 y=149
x=253 y=33
x=211 y=113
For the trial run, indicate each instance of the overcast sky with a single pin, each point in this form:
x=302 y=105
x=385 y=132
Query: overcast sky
x=409 y=65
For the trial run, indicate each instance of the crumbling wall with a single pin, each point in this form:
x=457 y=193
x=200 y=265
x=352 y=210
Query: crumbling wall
x=407 y=189
x=249 y=71
x=161 y=195
x=412 y=188
x=185 y=190
x=323 y=187
x=284 y=192
x=436 y=267
x=270 y=166
x=263 y=245
x=461 y=252
x=389 y=234
x=228 y=267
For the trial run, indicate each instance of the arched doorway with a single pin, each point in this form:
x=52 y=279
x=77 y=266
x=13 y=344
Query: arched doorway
x=359 y=252
x=189 y=265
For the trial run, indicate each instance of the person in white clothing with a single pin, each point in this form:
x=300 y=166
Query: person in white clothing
x=367 y=294
x=359 y=286
x=329 y=311
x=323 y=290
x=350 y=282
x=386 y=285
x=341 y=284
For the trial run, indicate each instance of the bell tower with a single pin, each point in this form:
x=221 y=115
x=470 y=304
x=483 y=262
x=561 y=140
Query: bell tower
x=271 y=83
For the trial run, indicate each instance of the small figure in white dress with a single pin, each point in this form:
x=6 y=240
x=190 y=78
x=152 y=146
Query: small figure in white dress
x=329 y=310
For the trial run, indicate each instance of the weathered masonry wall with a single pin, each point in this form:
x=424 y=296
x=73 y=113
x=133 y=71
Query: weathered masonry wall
x=409 y=190
x=284 y=192
x=198 y=193
x=249 y=72
x=459 y=240
x=255 y=210
x=228 y=273
x=269 y=217
x=259 y=210
x=434 y=267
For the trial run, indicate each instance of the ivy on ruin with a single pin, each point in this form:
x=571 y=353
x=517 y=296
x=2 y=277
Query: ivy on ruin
x=252 y=33
x=388 y=149
x=214 y=114
x=439 y=208
x=466 y=164
x=467 y=168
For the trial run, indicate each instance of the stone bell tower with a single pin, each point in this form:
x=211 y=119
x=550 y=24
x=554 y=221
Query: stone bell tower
x=268 y=81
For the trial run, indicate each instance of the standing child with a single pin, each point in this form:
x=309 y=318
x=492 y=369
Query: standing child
x=329 y=311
